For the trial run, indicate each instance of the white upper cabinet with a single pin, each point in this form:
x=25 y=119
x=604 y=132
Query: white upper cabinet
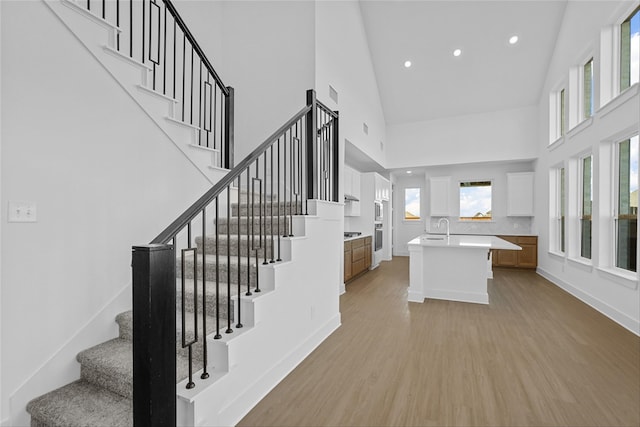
x=439 y=195
x=351 y=188
x=382 y=188
x=520 y=194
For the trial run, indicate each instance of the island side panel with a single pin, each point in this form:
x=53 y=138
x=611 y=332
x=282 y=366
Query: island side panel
x=455 y=274
x=416 y=274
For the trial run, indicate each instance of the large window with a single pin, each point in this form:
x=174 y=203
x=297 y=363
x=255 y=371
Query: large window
x=586 y=203
x=626 y=213
x=475 y=200
x=587 y=89
x=630 y=50
x=412 y=204
x=557 y=210
x=557 y=115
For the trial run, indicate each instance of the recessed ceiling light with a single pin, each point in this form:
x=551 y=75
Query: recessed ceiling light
x=407 y=64
x=513 y=40
x=408 y=171
x=457 y=52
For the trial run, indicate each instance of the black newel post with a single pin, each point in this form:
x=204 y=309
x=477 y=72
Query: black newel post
x=154 y=336
x=228 y=129
x=311 y=136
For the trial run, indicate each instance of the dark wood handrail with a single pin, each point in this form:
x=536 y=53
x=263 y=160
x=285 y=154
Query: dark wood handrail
x=195 y=45
x=195 y=209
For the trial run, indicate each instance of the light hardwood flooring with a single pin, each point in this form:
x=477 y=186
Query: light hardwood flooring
x=535 y=356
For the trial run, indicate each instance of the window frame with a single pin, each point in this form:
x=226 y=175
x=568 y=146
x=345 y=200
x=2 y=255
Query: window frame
x=557 y=114
x=475 y=219
x=557 y=210
x=586 y=113
x=622 y=82
x=404 y=215
x=615 y=222
x=581 y=214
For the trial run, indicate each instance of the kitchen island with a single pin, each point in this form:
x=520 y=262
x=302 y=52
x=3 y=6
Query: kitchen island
x=454 y=268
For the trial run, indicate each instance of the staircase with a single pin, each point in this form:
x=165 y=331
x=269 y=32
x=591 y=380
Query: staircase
x=242 y=286
x=103 y=394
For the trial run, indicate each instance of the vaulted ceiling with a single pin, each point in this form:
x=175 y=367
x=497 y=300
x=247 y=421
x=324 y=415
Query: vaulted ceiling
x=489 y=75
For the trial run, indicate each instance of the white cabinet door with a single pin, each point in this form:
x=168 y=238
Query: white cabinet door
x=439 y=196
x=355 y=184
x=520 y=194
x=348 y=174
x=382 y=191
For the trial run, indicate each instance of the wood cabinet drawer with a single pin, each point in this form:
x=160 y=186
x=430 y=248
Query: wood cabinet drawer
x=347 y=246
x=357 y=243
x=527 y=240
x=357 y=254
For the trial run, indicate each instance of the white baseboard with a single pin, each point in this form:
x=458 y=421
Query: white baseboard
x=622 y=319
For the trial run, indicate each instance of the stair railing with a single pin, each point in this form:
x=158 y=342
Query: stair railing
x=210 y=255
x=153 y=33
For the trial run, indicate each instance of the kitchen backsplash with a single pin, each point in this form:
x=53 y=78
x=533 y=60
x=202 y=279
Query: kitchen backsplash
x=500 y=225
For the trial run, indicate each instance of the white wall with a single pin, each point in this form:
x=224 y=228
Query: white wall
x=103 y=176
x=580 y=35
x=268 y=54
x=497 y=136
x=343 y=61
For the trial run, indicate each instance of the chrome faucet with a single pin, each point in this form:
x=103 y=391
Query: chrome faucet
x=445 y=220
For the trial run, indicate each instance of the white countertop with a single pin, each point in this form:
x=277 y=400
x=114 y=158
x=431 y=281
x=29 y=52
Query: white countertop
x=463 y=241
x=348 y=239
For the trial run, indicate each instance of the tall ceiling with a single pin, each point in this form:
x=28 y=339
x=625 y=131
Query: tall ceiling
x=489 y=75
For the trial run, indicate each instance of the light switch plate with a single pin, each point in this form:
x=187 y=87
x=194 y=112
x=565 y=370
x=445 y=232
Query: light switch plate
x=22 y=211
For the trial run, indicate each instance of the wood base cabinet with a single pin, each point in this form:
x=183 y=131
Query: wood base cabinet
x=357 y=257
x=526 y=258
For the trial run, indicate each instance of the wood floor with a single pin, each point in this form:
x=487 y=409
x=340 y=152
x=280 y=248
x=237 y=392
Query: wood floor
x=535 y=356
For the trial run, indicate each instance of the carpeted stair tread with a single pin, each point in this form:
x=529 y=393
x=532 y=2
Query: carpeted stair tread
x=110 y=365
x=125 y=323
x=233 y=245
x=81 y=404
x=282 y=208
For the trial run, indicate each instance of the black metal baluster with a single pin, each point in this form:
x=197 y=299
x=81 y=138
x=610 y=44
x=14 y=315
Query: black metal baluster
x=215 y=115
x=271 y=232
x=118 y=25
x=200 y=106
x=264 y=207
x=204 y=374
x=184 y=48
x=250 y=237
x=191 y=92
x=300 y=164
x=285 y=206
x=104 y=14
x=88 y=4
x=284 y=183
x=290 y=221
x=155 y=61
x=174 y=62
x=239 y=249
x=164 y=53
x=131 y=28
x=217 y=335
x=229 y=313
x=143 y=28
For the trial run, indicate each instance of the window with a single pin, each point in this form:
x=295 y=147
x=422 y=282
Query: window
x=626 y=212
x=557 y=116
x=561 y=205
x=475 y=201
x=630 y=50
x=587 y=89
x=412 y=204
x=586 y=202
x=557 y=210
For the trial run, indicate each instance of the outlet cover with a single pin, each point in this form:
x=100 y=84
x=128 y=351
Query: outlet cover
x=22 y=211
